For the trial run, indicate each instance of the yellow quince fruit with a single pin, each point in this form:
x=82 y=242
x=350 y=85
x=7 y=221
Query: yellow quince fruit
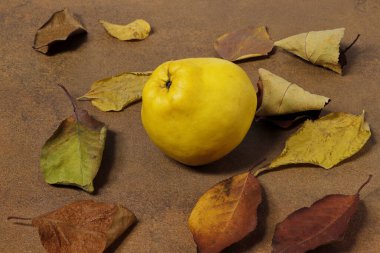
x=198 y=110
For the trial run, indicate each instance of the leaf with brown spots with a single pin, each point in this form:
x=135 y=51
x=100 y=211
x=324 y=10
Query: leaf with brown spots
x=245 y=43
x=82 y=226
x=61 y=26
x=226 y=213
x=324 y=222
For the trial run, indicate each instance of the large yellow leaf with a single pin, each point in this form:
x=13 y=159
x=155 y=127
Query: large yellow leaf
x=226 y=213
x=117 y=92
x=137 y=30
x=324 y=142
x=281 y=97
x=318 y=47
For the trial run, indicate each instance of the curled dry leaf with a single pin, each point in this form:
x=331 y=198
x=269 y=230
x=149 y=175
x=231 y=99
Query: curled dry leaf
x=280 y=97
x=318 y=47
x=325 y=221
x=226 y=213
x=117 y=92
x=324 y=142
x=137 y=30
x=83 y=226
x=72 y=155
x=245 y=43
x=61 y=25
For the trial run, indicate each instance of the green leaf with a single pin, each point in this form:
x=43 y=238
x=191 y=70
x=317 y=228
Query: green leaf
x=72 y=155
x=117 y=92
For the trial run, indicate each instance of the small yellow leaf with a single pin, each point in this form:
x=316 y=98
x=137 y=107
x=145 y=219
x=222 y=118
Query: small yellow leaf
x=324 y=142
x=137 y=30
x=117 y=92
x=226 y=213
x=318 y=47
x=281 y=97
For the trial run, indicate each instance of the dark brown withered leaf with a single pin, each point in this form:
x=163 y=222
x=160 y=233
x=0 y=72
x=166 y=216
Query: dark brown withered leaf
x=61 y=25
x=324 y=222
x=245 y=43
x=226 y=213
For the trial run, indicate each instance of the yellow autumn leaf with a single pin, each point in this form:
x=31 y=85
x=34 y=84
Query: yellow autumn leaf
x=281 y=97
x=318 y=47
x=117 y=92
x=137 y=30
x=324 y=142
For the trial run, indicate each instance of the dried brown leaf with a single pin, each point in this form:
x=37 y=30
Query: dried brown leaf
x=324 y=222
x=83 y=226
x=226 y=213
x=61 y=25
x=245 y=43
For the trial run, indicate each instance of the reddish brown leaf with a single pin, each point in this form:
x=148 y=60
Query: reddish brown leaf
x=245 y=43
x=61 y=25
x=226 y=213
x=83 y=226
x=323 y=222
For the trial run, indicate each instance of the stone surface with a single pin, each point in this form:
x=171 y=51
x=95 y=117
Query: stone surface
x=134 y=173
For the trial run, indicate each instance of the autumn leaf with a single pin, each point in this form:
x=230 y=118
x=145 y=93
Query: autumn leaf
x=226 y=213
x=324 y=142
x=318 y=47
x=325 y=221
x=280 y=97
x=82 y=226
x=245 y=43
x=61 y=26
x=137 y=30
x=117 y=92
x=72 y=155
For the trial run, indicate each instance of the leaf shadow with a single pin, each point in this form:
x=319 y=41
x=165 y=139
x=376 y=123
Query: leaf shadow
x=258 y=142
x=107 y=161
x=349 y=240
x=256 y=235
x=70 y=44
x=116 y=244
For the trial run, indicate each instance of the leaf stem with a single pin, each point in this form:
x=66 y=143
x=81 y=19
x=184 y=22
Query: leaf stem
x=72 y=100
x=20 y=218
x=364 y=184
x=352 y=43
x=257 y=164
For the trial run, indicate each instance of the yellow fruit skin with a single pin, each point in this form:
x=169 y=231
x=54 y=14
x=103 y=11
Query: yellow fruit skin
x=204 y=114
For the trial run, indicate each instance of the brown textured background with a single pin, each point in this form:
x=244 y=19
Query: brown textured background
x=134 y=173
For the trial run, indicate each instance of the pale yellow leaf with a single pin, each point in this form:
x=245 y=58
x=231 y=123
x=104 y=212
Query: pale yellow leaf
x=324 y=142
x=137 y=30
x=117 y=92
x=318 y=47
x=282 y=97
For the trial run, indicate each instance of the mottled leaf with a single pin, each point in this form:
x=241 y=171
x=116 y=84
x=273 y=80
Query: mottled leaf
x=280 y=97
x=324 y=142
x=72 y=155
x=61 y=25
x=245 y=43
x=137 y=30
x=318 y=47
x=83 y=226
x=226 y=213
x=325 y=221
x=117 y=92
